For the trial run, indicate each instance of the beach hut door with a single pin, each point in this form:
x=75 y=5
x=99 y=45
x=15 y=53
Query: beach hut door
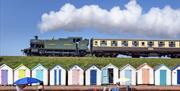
x=110 y=71
x=105 y=76
x=4 y=77
x=162 y=77
x=57 y=77
x=178 y=76
x=21 y=73
x=145 y=76
x=93 y=77
x=75 y=76
x=39 y=74
x=128 y=74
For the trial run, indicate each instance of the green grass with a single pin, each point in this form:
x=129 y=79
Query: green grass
x=84 y=62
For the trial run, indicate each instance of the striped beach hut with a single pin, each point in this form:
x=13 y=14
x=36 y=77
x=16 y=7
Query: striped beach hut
x=162 y=75
x=128 y=72
x=76 y=75
x=57 y=75
x=176 y=75
x=93 y=76
x=41 y=73
x=109 y=74
x=20 y=72
x=145 y=74
x=6 y=75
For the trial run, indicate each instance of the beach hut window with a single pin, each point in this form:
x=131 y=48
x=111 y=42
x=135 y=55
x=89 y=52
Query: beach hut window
x=162 y=77
x=4 y=77
x=145 y=76
x=93 y=77
x=21 y=73
x=178 y=76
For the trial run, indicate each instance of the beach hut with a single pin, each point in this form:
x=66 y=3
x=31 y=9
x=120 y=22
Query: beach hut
x=75 y=75
x=162 y=75
x=176 y=75
x=57 y=75
x=93 y=76
x=145 y=74
x=41 y=73
x=128 y=72
x=109 y=74
x=6 y=75
x=20 y=72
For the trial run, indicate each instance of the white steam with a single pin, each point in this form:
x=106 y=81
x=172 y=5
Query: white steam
x=156 y=22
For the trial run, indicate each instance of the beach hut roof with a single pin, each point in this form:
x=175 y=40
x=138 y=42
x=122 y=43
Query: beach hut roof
x=20 y=66
x=142 y=65
x=173 y=68
x=158 y=66
x=4 y=65
x=110 y=64
x=74 y=66
x=57 y=65
x=38 y=66
x=127 y=66
x=91 y=66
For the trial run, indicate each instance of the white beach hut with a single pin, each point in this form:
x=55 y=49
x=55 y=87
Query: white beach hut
x=162 y=75
x=76 y=75
x=93 y=76
x=41 y=73
x=145 y=74
x=20 y=72
x=128 y=72
x=176 y=75
x=109 y=74
x=6 y=75
x=57 y=75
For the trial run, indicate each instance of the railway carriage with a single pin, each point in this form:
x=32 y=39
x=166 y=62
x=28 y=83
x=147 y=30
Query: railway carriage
x=135 y=48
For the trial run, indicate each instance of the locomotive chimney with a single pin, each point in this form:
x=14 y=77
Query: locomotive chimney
x=36 y=37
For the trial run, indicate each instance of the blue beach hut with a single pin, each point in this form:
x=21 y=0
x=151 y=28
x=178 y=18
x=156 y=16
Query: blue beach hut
x=41 y=73
x=176 y=75
x=162 y=75
x=57 y=75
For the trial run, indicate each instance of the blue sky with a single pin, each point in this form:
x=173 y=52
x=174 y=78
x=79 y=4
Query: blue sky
x=19 y=19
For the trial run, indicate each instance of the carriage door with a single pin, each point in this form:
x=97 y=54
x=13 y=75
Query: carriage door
x=145 y=76
x=162 y=77
x=93 y=77
x=75 y=76
x=110 y=71
x=21 y=73
x=4 y=77
x=57 y=77
x=178 y=76
x=39 y=74
x=128 y=74
x=105 y=76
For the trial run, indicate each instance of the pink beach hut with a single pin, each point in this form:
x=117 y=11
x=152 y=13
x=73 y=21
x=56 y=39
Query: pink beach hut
x=145 y=74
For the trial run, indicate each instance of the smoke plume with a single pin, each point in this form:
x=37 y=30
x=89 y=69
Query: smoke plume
x=155 y=22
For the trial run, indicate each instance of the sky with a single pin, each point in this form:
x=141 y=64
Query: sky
x=21 y=20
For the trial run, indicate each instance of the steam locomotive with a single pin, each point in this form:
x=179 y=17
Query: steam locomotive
x=77 y=46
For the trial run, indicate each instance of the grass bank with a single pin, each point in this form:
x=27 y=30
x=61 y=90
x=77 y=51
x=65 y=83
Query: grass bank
x=84 y=62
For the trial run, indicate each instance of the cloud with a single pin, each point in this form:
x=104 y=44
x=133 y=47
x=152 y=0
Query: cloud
x=156 y=22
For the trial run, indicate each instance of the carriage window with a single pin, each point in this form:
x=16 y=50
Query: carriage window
x=143 y=44
x=171 y=44
x=96 y=43
x=124 y=43
x=103 y=43
x=135 y=43
x=150 y=43
x=161 y=44
x=114 y=43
